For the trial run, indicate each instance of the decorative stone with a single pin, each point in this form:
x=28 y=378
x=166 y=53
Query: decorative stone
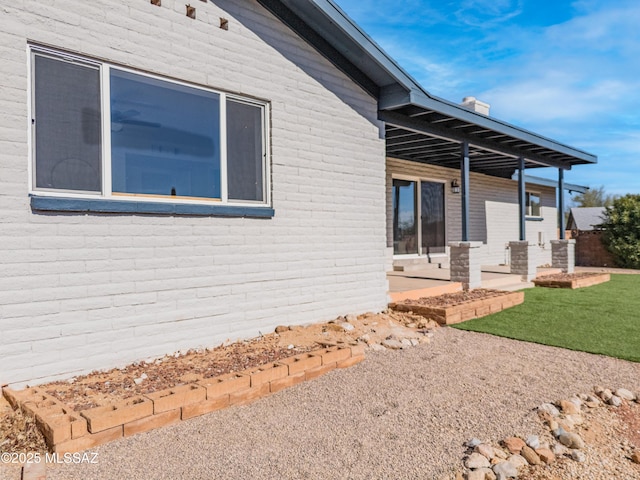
x=486 y=450
x=481 y=474
x=578 y=456
x=282 y=329
x=575 y=419
x=517 y=461
x=625 y=394
x=533 y=441
x=549 y=408
x=505 y=470
x=635 y=457
x=392 y=344
x=546 y=455
x=474 y=442
x=553 y=425
x=475 y=460
x=347 y=327
x=514 y=444
x=558 y=449
x=530 y=455
x=615 y=401
x=558 y=431
x=500 y=453
x=571 y=440
x=568 y=407
x=605 y=395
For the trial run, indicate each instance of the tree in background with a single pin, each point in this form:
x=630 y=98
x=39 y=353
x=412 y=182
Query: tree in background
x=622 y=230
x=594 y=197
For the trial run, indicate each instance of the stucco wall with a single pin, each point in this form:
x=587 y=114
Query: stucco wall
x=493 y=215
x=82 y=291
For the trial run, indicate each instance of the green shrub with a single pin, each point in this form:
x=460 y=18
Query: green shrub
x=622 y=231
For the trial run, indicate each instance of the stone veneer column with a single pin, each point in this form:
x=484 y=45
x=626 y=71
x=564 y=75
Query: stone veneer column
x=465 y=263
x=563 y=255
x=524 y=259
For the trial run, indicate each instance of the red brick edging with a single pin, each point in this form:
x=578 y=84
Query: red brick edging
x=68 y=431
x=464 y=311
x=574 y=283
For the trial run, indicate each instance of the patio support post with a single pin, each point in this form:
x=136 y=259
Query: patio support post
x=465 y=264
x=523 y=254
x=561 y=225
x=522 y=202
x=464 y=189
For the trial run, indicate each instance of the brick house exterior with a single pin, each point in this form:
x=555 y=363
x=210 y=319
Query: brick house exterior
x=130 y=257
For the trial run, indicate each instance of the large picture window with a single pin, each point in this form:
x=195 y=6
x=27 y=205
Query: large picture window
x=103 y=130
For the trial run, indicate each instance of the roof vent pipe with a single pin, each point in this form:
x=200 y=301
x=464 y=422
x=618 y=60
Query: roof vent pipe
x=475 y=105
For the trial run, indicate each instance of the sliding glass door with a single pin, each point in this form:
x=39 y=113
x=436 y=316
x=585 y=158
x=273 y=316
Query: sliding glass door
x=418 y=217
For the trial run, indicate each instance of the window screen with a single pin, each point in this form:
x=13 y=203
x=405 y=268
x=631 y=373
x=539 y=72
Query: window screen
x=244 y=151
x=67 y=125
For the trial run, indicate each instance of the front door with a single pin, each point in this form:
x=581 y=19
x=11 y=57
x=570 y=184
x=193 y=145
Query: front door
x=418 y=217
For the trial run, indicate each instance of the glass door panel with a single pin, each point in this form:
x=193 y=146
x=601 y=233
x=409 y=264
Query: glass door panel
x=432 y=217
x=405 y=231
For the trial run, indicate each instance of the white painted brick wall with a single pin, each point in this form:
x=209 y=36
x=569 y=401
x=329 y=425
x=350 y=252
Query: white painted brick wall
x=81 y=292
x=493 y=215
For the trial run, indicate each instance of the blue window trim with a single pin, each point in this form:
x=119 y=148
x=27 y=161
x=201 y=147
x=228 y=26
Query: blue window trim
x=534 y=219
x=101 y=205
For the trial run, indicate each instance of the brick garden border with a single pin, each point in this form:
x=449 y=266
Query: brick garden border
x=464 y=311
x=580 y=282
x=68 y=431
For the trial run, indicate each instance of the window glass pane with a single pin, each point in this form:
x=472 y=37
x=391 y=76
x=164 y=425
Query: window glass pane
x=67 y=125
x=405 y=234
x=533 y=204
x=433 y=226
x=244 y=151
x=164 y=138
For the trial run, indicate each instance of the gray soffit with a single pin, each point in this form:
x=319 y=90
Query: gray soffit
x=419 y=126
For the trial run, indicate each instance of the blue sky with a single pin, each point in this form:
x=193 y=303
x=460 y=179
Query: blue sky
x=566 y=70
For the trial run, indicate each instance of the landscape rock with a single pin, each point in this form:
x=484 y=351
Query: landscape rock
x=517 y=461
x=615 y=401
x=392 y=344
x=558 y=449
x=500 y=453
x=533 y=441
x=549 y=408
x=282 y=329
x=625 y=394
x=351 y=318
x=575 y=419
x=578 y=456
x=486 y=450
x=505 y=470
x=530 y=455
x=568 y=407
x=571 y=440
x=605 y=395
x=376 y=347
x=475 y=460
x=635 y=457
x=481 y=474
x=546 y=455
x=473 y=443
x=514 y=444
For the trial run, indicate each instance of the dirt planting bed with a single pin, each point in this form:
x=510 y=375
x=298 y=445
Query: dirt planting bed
x=571 y=280
x=460 y=306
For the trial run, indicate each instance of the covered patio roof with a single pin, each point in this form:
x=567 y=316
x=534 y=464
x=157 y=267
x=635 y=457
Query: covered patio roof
x=420 y=126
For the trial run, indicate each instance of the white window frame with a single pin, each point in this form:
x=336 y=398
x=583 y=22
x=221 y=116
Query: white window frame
x=104 y=69
x=528 y=211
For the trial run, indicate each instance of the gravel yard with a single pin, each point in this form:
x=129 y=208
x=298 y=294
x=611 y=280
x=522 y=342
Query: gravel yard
x=399 y=414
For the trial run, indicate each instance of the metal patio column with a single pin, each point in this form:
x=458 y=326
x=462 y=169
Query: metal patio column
x=464 y=188
x=522 y=202
x=561 y=224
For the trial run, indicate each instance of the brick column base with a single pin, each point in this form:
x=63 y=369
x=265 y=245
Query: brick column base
x=524 y=259
x=563 y=255
x=465 y=264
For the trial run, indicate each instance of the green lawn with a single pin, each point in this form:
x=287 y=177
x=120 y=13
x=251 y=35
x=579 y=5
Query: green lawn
x=602 y=319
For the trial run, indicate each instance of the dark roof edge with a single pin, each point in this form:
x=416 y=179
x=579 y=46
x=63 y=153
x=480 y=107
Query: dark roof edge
x=547 y=182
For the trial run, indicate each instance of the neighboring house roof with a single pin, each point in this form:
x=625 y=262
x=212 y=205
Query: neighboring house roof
x=419 y=125
x=586 y=218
